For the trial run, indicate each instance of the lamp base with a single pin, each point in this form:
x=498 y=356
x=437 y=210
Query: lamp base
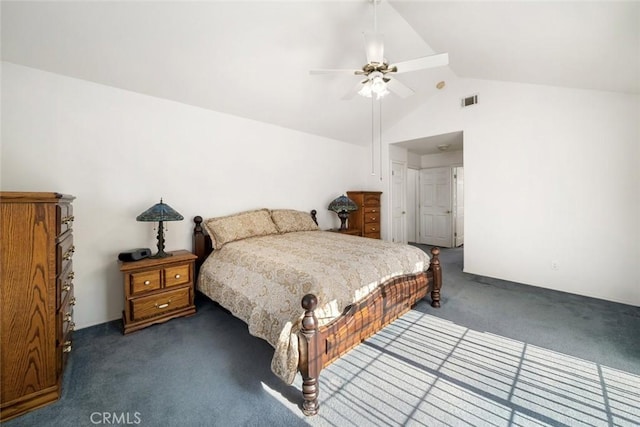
x=343 y=215
x=161 y=255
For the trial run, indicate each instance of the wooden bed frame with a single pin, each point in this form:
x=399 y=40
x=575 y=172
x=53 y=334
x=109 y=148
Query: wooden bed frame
x=321 y=345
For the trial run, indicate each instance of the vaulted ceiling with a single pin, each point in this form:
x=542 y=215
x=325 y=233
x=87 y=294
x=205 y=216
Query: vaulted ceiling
x=252 y=58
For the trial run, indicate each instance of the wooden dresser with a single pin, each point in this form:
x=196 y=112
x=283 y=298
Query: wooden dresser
x=157 y=290
x=36 y=298
x=367 y=217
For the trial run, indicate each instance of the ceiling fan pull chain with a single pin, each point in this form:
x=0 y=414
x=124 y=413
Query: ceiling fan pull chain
x=373 y=161
x=380 y=135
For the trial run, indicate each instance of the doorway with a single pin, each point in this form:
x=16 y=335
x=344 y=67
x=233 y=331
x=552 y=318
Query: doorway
x=432 y=152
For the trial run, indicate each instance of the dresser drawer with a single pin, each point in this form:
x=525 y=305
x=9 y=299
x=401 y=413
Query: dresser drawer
x=369 y=210
x=65 y=323
x=372 y=218
x=155 y=305
x=371 y=228
x=64 y=218
x=64 y=253
x=64 y=284
x=145 y=281
x=65 y=346
x=177 y=275
x=371 y=200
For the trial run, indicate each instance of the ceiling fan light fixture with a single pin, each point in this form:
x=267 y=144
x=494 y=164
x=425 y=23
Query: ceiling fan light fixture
x=375 y=84
x=365 y=90
x=382 y=92
x=378 y=86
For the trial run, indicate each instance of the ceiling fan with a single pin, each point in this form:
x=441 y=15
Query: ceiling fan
x=378 y=73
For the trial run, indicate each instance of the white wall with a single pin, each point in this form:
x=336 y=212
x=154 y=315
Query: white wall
x=450 y=158
x=118 y=152
x=551 y=175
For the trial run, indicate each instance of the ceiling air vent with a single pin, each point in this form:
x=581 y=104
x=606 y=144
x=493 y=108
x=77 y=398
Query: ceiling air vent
x=469 y=100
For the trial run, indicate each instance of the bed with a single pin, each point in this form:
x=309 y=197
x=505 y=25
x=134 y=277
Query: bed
x=312 y=294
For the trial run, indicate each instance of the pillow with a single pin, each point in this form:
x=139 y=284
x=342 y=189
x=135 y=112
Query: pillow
x=226 y=229
x=288 y=220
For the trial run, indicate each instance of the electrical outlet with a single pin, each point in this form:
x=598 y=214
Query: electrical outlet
x=554 y=265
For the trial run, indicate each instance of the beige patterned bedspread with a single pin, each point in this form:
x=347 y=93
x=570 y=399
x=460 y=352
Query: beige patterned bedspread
x=262 y=280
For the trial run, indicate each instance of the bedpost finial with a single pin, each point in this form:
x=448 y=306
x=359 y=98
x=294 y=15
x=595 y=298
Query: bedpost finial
x=309 y=302
x=197 y=219
x=435 y=251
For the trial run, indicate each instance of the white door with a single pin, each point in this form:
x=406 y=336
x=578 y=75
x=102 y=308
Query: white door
x=398 y=196
x=458 y=206
x=435 y=207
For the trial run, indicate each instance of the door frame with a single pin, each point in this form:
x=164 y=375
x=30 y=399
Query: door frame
x=403 y=201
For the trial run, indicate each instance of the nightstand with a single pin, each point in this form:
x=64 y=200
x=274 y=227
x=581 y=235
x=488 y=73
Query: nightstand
x=351 y=232
x=157 y=290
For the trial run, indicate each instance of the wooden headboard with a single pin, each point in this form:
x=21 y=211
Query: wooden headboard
x=202 y=245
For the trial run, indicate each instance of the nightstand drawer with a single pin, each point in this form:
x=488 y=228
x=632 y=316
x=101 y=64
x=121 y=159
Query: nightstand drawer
x=177 y=275
x=155 y=305
x=145 y=281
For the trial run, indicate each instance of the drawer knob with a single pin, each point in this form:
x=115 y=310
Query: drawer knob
x=147 y=282
x=373 y=218
x=161 y=306
x=66 y=347
x=68 y=317
x=72 y=301
x=373 y=229
x=177 y=276
x=67 y=219
x=67 y=256
x=66 y=288
x=71 y=275
x=72 y=327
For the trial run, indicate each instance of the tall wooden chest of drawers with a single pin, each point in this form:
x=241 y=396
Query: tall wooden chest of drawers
x=36 y=296
x=367 y=217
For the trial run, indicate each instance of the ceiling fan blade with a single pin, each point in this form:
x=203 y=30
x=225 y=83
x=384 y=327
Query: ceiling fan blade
x=374 y=46
x=399 y=88
x=431 y=61
x=335 y=71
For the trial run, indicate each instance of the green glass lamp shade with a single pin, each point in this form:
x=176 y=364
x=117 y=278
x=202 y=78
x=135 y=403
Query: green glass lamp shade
x=160 y=212
x=342 y=206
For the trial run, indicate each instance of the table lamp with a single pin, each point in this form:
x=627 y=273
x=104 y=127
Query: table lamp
x=160 y=212
x=342 y=206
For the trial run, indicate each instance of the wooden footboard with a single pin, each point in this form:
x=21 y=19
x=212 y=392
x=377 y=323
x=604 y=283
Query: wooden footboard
x=320 y=346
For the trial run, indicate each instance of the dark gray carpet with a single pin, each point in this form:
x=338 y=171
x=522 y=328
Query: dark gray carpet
x=496 y=353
